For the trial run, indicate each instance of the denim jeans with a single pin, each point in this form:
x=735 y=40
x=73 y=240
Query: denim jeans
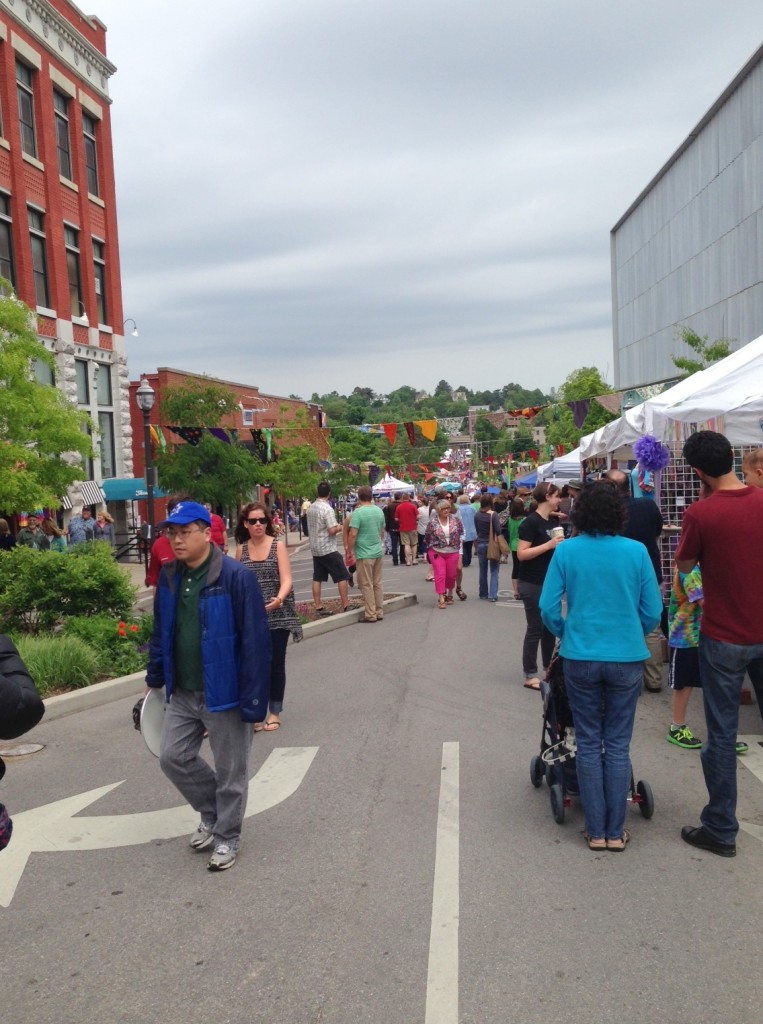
x=721 y=668
x=482 y=558
x=603 y=697
x=466 y=552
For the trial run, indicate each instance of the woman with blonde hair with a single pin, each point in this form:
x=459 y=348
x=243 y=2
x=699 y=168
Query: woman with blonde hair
x=104 y=528
x=443 y=535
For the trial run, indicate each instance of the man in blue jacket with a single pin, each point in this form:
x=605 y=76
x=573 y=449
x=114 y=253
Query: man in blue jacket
x=210 y=650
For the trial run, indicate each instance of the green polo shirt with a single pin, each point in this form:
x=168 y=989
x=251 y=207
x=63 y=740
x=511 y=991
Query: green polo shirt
x=189 y=669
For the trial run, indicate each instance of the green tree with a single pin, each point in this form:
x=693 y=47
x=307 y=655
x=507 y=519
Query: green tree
x=212 y=470
x=296 y=473
x=707 y=352
x=43 y=446
x=581 y=384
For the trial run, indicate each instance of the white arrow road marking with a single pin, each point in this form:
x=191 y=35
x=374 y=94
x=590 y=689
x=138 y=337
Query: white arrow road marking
x=442 y=976
x=53 y=828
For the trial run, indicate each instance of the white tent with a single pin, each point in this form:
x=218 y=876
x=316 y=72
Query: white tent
x=563 y=467
x=390 y=485
x=731 y=388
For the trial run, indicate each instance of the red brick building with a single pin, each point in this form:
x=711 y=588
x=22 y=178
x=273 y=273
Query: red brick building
x=58 y=221
x=299 y=422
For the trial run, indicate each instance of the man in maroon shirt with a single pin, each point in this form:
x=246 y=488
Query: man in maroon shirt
x=725 y=535
x=406 y=516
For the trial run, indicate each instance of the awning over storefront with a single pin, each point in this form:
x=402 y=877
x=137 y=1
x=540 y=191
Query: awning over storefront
x=127 y=488
x=91 y=493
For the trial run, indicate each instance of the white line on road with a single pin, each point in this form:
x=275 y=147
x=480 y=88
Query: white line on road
x=442 y=976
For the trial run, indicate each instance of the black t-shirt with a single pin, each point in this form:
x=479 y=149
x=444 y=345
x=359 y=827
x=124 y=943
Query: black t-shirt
x=390 y=523
x=645 y=524
x=535 y=530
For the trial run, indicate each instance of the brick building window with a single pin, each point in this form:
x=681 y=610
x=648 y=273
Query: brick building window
x=63 y=145
x=39 y=256
x=99 y=271
x=71 y=239
x=7 y=269
x=89 y=125
x=25 y=93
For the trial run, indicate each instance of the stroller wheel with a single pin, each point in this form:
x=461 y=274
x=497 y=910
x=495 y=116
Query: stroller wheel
x=536 y=771
x=557 y=803
x=645 y=798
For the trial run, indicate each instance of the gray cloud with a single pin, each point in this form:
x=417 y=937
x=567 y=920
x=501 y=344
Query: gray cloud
x=316 y=194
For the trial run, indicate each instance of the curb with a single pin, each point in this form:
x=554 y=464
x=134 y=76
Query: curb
x=133 y=685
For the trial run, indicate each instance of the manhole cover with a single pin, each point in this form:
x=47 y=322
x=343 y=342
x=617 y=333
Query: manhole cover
x=19 y=749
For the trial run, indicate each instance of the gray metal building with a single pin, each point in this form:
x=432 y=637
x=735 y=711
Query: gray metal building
x=689 y=250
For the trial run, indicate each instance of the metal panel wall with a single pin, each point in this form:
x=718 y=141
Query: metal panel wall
x=691 y=251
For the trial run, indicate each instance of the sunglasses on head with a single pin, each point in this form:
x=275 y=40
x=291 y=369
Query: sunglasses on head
x=256 y=519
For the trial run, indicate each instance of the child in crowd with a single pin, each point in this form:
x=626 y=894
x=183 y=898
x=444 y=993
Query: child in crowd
x=684 y=617
x=752 y=467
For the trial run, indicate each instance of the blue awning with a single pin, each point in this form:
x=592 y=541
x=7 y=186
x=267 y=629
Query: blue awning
x=127 y=488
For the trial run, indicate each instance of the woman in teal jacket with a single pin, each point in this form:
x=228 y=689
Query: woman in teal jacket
x=613 y=601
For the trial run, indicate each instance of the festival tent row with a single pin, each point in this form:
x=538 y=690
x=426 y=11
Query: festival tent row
x=727 y=396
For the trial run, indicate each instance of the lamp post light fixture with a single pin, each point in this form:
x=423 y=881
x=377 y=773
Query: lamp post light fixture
x=83 y=315
x=134 y=331
x=145 y=396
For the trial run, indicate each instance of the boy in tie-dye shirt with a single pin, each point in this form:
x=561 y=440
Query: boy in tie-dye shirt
x=684 y=618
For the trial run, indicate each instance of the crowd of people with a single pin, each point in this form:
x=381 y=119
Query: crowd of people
x=41 y=531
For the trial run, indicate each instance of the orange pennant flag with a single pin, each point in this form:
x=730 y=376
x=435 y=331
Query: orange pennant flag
x=390 y=429
x=428 y=428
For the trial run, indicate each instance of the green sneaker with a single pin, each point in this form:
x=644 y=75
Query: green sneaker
x=684 y=737
x=742 y=747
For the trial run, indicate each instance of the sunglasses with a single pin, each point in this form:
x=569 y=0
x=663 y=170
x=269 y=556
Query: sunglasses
x=257 y=519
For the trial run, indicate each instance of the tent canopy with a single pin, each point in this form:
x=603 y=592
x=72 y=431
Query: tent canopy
x=389 y=484
x=127 y=488
x=731 y=388
x=565 y=467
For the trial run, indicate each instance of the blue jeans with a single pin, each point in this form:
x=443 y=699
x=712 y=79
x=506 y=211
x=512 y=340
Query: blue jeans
x=603 y=697
x=721 y=669
x=494 y=568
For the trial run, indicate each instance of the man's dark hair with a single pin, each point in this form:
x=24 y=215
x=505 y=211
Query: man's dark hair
x=709 y=452
x=397 y=496
x=324 y=489
x=365 y=493
x=486 y=501
x=599 y=509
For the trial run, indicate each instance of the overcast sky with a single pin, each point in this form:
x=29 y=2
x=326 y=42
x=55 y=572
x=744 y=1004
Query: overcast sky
x=321 y=194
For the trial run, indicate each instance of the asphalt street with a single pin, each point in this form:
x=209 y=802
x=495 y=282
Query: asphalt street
x=399 y=867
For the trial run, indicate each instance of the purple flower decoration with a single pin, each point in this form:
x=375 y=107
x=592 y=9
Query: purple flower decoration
x=652 y=454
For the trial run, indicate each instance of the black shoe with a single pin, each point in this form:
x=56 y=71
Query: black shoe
x=699 y=837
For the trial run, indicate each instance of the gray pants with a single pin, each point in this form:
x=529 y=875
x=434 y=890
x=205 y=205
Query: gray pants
x=218 y=795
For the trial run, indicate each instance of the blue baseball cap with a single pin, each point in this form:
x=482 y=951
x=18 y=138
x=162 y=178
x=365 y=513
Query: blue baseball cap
x=187 y=512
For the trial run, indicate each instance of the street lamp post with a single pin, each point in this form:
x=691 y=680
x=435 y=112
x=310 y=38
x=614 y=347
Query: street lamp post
x=145 y=397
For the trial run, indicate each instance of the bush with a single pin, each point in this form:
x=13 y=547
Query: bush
x=121 y=647
x=59 y=662
x=40 y=588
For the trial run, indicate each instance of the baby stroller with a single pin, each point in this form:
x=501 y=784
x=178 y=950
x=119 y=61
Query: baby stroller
x=556 y=761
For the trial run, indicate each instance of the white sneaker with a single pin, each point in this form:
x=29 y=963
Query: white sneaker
x=203 y=837
x=222 y=859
